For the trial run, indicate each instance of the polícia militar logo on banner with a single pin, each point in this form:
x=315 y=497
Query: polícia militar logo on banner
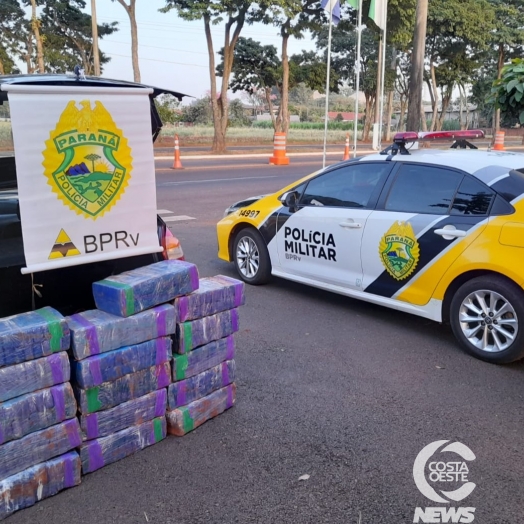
x=441 y=474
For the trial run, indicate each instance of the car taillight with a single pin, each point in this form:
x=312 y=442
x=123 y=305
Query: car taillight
x=172 y=247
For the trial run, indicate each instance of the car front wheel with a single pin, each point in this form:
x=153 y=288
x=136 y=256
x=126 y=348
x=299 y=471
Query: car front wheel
x=251 y=257
x=487 y=317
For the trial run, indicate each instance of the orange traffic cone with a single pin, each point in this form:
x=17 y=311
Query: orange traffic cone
x=499 y=141
x=177 y=164
x=279 y=157
x=346 y=149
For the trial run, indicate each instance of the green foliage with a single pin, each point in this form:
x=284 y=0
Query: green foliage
x=340 y=126
x=507 y=93
x=237 y=116
x=167 y=107
x=199 y=112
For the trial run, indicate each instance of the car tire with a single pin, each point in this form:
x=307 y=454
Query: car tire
x=487 y=318
x=251 y=257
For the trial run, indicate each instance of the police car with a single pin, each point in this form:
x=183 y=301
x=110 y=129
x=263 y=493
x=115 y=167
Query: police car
x=436 y=233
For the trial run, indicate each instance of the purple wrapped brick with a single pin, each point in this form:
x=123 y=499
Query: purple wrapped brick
x=128 y=414
x=111 y=394
x=185 y=419
x=98 y=453
x=94 y=332
x=17 y=455
x=39 y=482
x=145 y=287
x=201 y=385
x=32 y=335
x=202 y=358
x=195 y=333
x=34 y=411
x=109 y=366
x=214 y=294
x=33 y=375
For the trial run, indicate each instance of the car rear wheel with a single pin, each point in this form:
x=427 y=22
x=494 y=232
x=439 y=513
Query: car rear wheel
x=487 y=317
x=251 y=257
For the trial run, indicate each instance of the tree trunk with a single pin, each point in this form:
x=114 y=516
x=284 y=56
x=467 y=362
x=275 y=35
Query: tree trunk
x=29 y=54
x=389 y=113
x=35 y=26
x=500 y=65
x=417 y=66
x=131 y=12
x=370 y=106
x=446 y=99
x=2 y=70
x=267 y=91
x=434 y=97
x=424 y=123
x=403 y=107
x=282 y=123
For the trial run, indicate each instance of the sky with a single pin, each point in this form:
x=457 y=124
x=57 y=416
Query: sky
x=172 y=52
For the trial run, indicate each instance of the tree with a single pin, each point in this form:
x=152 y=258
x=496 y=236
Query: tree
x=235 y=13
x=131 y=12
x=199 y=112
x=93 y=157
x=167 y=107
x=35 y=26
x=507 y=93
x=12 y=27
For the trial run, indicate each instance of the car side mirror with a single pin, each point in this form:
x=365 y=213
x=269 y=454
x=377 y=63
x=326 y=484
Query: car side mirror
x=290 y=199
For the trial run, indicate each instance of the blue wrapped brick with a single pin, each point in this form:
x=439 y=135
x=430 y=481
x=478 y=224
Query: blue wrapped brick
x=202 y=358
x=39 y=482
x=201 y=385
x=33 y=375
x=214 y=294
x=98 y=453
x=139 y=289
x=109 y=366
x=111 y=394
x=17 y=455
x=34 y=411
x=94 y=332
x=128 y=414
x=32 y=335
x=195 y=333
x=187 y=418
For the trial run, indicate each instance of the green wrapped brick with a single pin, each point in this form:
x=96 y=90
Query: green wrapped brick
x=187 y=418
x=39 y=482
x=32 y=335
x=139 y=289
x=98 y=453
x=195 y=333
x=111 y=394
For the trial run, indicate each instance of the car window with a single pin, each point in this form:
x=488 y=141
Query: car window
x=472 y=198
x=349 y=186
x=423 y=189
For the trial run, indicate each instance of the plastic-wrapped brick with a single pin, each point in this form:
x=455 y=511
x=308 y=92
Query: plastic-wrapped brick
x=33 y=375
x=34 y=411
x=145 y=287
x=109 y=366
x=38 y=483
x=201 y=385
x=17 y=455
x=98 y=453
x=111 y=394
x=185 y=419
x=195 y=333
x=94 y=332
x=32 y=335
x=202 y=358
x=214 y=294
x=128 y=414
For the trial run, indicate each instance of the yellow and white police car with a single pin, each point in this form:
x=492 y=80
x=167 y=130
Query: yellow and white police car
x=436 y=233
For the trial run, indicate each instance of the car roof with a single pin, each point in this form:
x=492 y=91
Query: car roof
x=472 y=161
x=71 y=80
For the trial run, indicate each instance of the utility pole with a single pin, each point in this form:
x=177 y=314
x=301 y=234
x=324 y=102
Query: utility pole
x=94 y=29
x=417 y=67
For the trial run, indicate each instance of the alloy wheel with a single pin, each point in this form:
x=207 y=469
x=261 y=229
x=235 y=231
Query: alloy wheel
x=248 y=257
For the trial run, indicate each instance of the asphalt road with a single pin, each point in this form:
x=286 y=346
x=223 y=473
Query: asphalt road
x=331 y=387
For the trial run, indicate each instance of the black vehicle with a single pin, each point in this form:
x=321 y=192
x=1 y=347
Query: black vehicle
x=66 y=289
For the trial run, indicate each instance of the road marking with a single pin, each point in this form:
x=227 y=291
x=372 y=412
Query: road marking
x=178 y=218
x=215 y=180
x=163 y=211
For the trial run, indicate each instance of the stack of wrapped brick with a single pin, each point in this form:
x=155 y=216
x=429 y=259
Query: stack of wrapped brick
x=122 y=355
x=38 y=428
x=203 y=364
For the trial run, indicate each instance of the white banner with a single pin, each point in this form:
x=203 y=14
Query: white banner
x=86 y=174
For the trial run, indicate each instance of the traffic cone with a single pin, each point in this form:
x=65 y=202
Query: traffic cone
x=499 y=141
x=279 y=157
x=346 y=149
x=177 y=164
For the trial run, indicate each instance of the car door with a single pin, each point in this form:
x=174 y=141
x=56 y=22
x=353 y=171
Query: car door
x=424 y=212
x=320 y=239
